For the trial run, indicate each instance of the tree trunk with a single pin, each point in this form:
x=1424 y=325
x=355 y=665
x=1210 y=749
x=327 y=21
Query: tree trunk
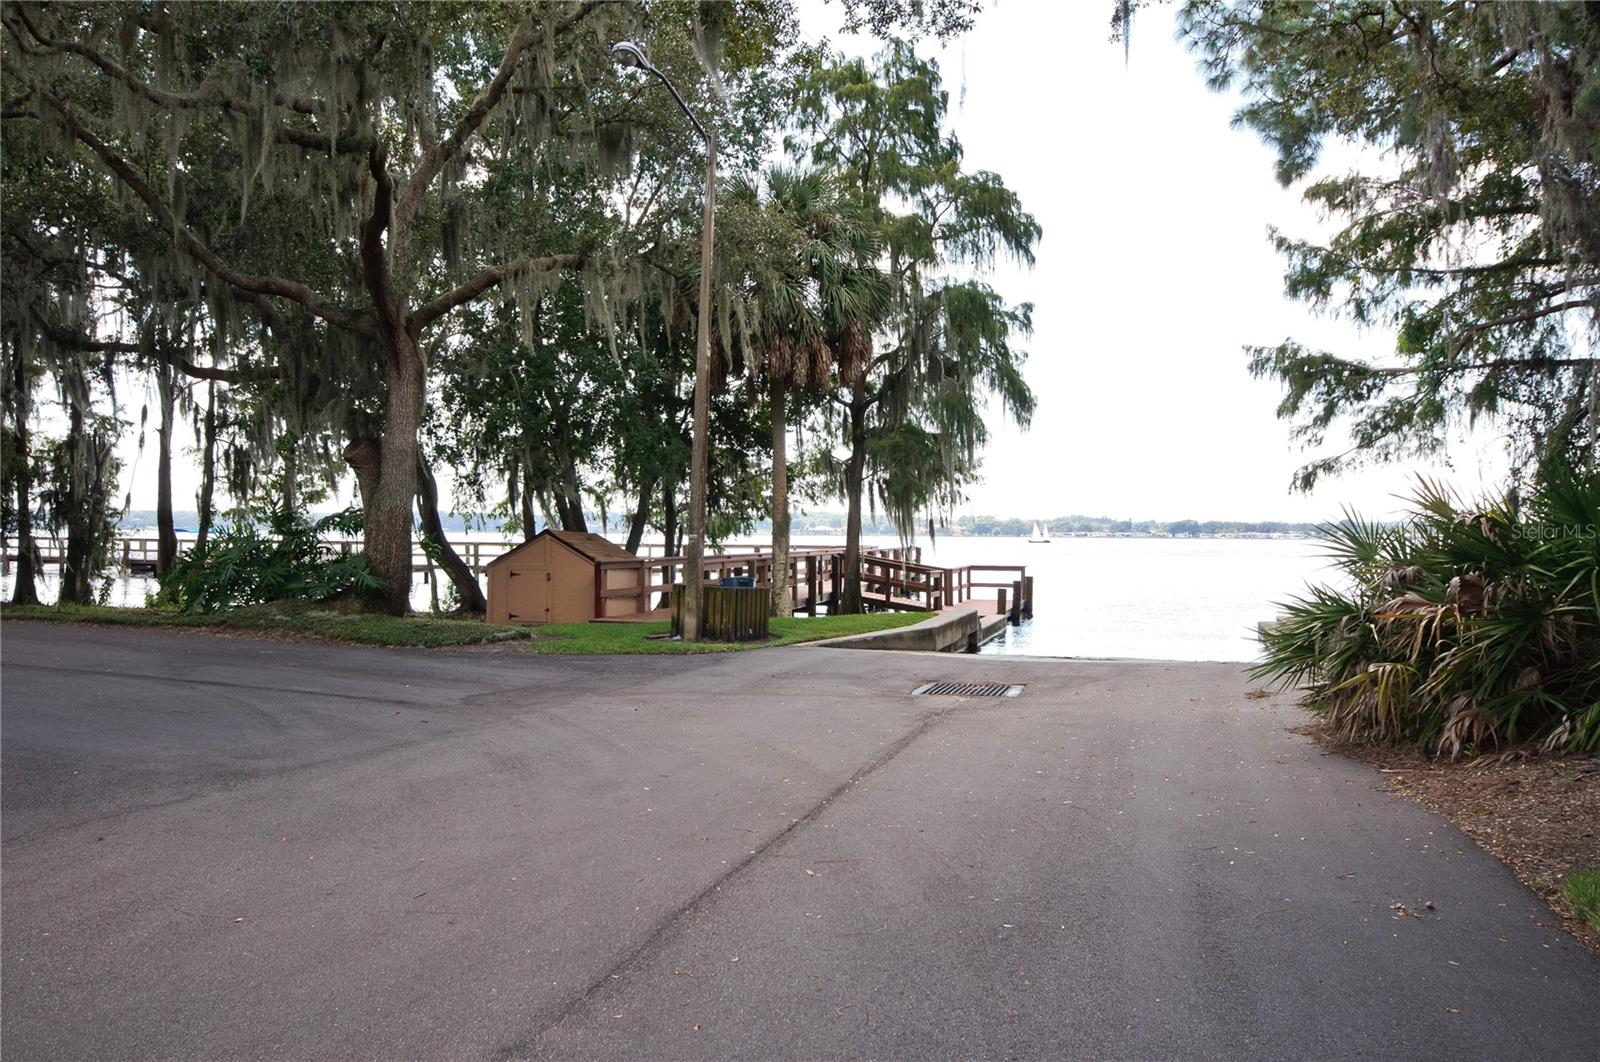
x=530 y=520
x=208 y=469
x=569 y=501
x=461 y=576
x=386 y=472
x=641 y=516
x=23 y=590
x=363 y=456
x=291 y=478
x=669 y=535
x=78 y=564
x=166 y=534
x=854 y=478
x=517 y=500
x=782 y=598
x=74 y=581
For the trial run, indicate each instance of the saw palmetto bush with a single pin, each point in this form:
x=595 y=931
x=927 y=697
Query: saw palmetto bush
x=1460 y=629
x=271 y=554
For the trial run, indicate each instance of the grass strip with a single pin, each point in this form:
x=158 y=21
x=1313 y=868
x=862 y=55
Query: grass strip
x=339 y=624
x=586 y=639
x=297 y=618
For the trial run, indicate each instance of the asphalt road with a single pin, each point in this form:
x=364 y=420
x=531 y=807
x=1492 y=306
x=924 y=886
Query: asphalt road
x=227 y=848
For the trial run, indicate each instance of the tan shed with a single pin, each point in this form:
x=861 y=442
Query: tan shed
x=558 y=578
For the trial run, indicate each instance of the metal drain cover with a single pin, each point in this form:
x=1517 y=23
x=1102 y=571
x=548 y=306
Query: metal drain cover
x=965 y=689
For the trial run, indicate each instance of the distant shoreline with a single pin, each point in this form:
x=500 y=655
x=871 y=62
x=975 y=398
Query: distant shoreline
x=966 y=527
x=798 y=537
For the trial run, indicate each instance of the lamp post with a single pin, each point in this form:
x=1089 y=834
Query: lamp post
x=627 y=53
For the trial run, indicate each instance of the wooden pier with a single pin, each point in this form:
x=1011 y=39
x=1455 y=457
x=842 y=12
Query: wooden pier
x=891 y=578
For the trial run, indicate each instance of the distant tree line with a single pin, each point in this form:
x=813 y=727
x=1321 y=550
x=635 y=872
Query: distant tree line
x=1107 y=525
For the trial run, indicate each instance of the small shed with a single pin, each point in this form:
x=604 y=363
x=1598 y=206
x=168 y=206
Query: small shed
x=558 y=576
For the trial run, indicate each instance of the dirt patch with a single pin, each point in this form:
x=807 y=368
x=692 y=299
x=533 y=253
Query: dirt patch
x=1539 y=814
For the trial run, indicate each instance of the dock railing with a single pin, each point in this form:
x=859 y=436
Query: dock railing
x=891 y=577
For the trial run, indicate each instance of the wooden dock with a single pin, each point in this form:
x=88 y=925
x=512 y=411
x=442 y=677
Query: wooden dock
x=891 y=578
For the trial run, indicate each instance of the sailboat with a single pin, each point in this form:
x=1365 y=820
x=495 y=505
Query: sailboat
x=1040 y=533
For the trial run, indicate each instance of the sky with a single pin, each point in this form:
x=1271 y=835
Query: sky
x=1154 y=272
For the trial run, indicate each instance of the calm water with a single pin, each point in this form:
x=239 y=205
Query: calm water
x=1149 y=598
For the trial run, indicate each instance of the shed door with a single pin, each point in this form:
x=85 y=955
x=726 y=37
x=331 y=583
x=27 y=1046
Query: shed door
x=528 y=594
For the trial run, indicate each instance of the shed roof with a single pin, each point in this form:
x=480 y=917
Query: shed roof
x=590 y=546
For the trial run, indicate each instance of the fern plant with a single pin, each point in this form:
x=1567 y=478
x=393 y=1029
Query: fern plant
x=1461 y=629
x=271 y=554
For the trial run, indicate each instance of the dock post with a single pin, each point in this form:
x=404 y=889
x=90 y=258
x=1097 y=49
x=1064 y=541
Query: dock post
x=1002 y=601
x=1016 y=602
x=813 y=585
x=1027 y=592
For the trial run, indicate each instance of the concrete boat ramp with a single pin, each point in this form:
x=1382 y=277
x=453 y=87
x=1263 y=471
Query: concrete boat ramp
x=231 y=848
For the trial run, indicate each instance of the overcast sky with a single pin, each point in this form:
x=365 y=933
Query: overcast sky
x=1154 y=271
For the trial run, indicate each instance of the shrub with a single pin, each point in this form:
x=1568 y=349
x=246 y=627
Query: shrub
x=1459 y=629
x=270 y=555
x=1582 y=889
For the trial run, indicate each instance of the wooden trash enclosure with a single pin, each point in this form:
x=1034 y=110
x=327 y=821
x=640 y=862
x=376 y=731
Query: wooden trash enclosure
x=559 y=577
x=732 y=613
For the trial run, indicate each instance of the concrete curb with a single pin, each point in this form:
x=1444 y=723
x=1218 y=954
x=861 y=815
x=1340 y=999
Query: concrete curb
x=959 y=629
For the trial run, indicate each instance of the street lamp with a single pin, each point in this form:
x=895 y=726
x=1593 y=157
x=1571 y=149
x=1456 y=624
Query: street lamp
x=629 y=54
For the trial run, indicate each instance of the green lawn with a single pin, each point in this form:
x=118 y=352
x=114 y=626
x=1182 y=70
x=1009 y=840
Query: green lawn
x=592 y=638
x=292 y=618
x=335 y=624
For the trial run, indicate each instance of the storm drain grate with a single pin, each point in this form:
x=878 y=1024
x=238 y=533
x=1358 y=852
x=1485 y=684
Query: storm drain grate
x=965 y=689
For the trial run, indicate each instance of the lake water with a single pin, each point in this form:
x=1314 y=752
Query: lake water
x=1146 y=598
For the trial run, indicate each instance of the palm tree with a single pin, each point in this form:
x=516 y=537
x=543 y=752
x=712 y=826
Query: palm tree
x=811 y=295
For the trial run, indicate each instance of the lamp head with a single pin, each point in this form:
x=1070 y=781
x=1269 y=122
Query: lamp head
x=627 y=53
